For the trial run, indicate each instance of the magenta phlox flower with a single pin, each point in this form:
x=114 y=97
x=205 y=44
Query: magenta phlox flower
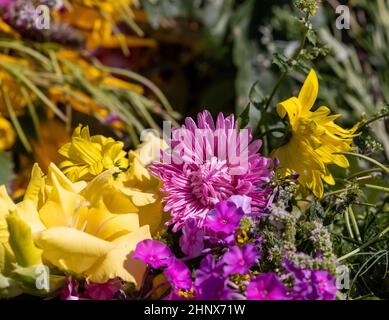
x=240 y=260
x=154 y=253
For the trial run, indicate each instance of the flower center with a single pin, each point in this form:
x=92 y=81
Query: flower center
x=211 y=182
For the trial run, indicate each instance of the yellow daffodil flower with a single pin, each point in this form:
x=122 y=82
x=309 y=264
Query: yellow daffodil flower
x=87 y=156
x=314 y=139
x=7 y=134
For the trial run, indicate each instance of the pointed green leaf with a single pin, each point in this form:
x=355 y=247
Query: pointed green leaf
x=21 y=241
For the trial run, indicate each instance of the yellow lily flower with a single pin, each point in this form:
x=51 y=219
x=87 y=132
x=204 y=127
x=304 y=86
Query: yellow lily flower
x=87 y=156
x=149 y=150
x=7 y=134
x=75 y=235
x=314 y=139
x=134 y=190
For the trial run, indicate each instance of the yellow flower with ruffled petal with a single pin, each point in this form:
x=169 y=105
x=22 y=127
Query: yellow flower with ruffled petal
x=134 y=190
x=75 y=235
x=315 y=139
x=90 y=228
x=7 y=134
x=87 y=156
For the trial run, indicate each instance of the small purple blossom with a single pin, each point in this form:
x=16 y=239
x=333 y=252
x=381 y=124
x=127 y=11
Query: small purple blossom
x=5 y=3
x=179 y=275
x=70 y=292
x=105 y=291
x=243 y=202
x=224 y=218
x=153 y=253
x=316 y=285
x=266 y=287
x=213 y=288
x=192 y=239
x=240 y=260
x=295 y=176
x=208 y=267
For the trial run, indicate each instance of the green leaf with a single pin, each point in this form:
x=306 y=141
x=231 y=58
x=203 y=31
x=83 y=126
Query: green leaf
x=21 y=241
x=282 y=62
x=9 y=288
x=34 y=279
x=6 y=169
x=244 y=117
x=312 y=37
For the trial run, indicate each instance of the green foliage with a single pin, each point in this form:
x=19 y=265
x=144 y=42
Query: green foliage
x=6 y=169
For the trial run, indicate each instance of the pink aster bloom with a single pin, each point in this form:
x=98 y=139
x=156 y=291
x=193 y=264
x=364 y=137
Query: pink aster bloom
x=207 y=163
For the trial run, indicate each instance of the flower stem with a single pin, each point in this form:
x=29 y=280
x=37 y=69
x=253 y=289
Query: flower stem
x=380 y=188
x=284 y=74
x=162 y=284
x=367 y=244
x=348 y=225
x=383 y=167
x=355 y=224
x=381 y=116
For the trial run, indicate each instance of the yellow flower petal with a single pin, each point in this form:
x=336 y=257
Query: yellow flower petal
x=291 y=107
x=309 y=91
x=109 y=226
x=119 y=263
x=71 y=249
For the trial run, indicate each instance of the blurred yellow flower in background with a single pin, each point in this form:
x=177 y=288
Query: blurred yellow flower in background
x=11 y=86
x=87 y=156
x=98 y=21
x=314 y=139
x=7 y=134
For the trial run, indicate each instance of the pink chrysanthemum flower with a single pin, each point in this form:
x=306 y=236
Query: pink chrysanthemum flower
x=208 y=163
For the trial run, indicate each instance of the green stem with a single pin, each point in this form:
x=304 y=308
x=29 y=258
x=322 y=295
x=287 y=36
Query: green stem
x=33 y=113
x=348 y=225
x=355 y=224
x=383 y=167
x=361 y=173
x=335 y=192
x=15 y=121
x=275 y=89
x=367 y=244
x=374 y=187
x=285 y=73
x=365 y=124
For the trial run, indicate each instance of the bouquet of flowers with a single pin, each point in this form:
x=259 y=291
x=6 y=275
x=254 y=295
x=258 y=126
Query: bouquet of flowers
x=218 y=208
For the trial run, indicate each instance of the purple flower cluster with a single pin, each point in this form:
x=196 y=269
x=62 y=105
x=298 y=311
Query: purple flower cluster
x=220 y=217
x=229 y=268
x=312 y=284
x=91 y=291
